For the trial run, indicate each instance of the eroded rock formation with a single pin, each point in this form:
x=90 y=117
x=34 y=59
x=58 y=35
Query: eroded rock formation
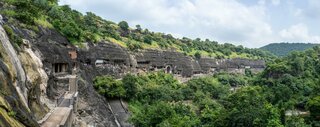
x=33 y=75
x=107 y=58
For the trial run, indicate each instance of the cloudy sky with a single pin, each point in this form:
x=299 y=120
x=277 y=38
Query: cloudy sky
x=252 y=23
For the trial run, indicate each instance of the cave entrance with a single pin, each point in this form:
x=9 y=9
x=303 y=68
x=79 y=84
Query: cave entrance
x=143 y=62
x=87 y=62
x=102 y=62
x=168 y=69
x=60 y=67
x=99 y=62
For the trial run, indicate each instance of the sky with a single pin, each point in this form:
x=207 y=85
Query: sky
x=251 y=23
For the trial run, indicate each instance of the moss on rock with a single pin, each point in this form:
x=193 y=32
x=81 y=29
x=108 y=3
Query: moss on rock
x=8 y=121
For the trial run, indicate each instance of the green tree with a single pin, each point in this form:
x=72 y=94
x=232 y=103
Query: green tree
x=130 y=84
x=248 y=108
x=314 y=107
x=109 y=87
x=295 y=121
x=124 y=25
x=197 y=55
x=138 y=27
x=147 y=39
x=208 y=86
x=153 y=115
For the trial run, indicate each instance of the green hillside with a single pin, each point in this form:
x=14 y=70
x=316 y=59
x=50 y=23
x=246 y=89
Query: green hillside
x=79 y=28
x=283 y=49
x=288 y=83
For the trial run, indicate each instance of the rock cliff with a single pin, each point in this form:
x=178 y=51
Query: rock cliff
x=32 y=75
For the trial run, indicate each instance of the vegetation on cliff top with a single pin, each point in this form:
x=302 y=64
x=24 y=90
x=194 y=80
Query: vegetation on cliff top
x=79 y=28
x=283 y=49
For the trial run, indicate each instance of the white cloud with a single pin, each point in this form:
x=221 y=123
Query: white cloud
x=298 y=12
x=275 y=2
x=298 y=33
x=262 y=2
x=311 y=11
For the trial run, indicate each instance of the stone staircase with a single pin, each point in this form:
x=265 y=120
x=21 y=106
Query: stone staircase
x=64 y=113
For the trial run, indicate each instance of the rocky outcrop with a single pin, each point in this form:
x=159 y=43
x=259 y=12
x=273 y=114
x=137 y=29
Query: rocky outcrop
x=93 y=109
x=169 y=61
x=39 y=65
x=106 y=58
x=33 y=76
x=13 y=113
x=19 y=73
x=55 y=53
x=15 y=88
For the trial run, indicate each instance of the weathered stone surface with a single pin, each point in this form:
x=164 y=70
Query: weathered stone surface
x=103 y=58
x=167 y=60
x=230 y=65
x=109 y=59
x=92 y=108
x=54 y=48
x=11 y=102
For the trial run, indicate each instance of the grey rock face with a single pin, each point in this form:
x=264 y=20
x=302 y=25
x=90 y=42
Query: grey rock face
x=105 y=58
x=19 y=72
x=110 y=59
x=177 y=62
x=13 y=84
x=54 y=48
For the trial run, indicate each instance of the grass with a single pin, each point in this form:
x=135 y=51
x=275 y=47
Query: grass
x=121 y=43
x=44 y=23
x=154 y=45
x=9 y=13
x=203 y=53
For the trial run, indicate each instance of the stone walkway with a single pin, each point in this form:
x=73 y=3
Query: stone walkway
x=64 y=111
x=57 y=117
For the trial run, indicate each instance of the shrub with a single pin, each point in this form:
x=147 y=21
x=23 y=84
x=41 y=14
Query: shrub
x=9 y=31
x=314 y=107
x=130 y=85
x=197 y=55
x=109 y=86
x=123 y=25
x=147 y=39
x=12 y=114
x=12 y=36
x=133 y=46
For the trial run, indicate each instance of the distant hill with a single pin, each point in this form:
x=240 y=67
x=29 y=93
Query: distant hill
x=284 y=48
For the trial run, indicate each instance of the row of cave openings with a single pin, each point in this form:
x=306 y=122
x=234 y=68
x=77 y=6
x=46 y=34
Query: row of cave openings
x=141 y=64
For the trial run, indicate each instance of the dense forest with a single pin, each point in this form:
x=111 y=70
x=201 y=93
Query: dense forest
x=79 y=28
x=283 y=49
x=289 y=84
